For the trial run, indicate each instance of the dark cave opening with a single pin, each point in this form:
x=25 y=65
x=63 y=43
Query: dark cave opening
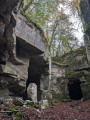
x=36 y=69
x=75 y=92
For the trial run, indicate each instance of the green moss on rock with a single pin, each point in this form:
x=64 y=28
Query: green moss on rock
x=74 y=75
x=58 y=64
x=60 y=97
x=86 y=87
x=76 y=59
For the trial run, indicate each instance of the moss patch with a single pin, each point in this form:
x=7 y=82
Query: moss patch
x=74 y=75
x=62 y=65
x=60 y=97
x=72 y=57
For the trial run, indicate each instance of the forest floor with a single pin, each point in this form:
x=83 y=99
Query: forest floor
x=74 y=110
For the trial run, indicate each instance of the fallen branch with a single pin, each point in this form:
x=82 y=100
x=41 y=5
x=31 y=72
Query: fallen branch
x=15 y=111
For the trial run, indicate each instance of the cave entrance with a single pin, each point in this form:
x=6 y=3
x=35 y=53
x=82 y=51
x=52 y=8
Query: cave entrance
x=32 y=57
x=75 y=90
x=35 y=71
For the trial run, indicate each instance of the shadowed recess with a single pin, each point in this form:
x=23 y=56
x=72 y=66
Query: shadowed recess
x=75 y=90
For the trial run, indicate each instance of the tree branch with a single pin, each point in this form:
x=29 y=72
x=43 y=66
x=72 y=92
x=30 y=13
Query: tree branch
x=28 y=5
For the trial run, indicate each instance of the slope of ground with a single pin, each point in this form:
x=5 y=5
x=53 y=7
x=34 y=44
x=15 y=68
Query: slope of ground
x=75 y=110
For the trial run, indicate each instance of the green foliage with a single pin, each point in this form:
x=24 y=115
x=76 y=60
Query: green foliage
x=71 y=58
x=53 y=103
x=12 y=109
x=54 y=22
x=36 y=105
x=33 y=105
x=10 y=105
x=17 y=102
x=40 y=10
x=56 y=63
x=17 y=116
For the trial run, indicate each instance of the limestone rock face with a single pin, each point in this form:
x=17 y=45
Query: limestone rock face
x=59 y=82
x=59 y=87
x=4 y=93
x=8 y=82
x=44 y=82
x=7 y=5
x=27 y=31
x=76 y=83
x=19 y=40
x=58 y=71
x=85 y=85
x=85 y=11
x=11 y=85
x=6 y=28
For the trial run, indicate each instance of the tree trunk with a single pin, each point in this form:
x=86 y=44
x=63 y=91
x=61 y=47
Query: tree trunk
x=28 y=5
x=50 y=70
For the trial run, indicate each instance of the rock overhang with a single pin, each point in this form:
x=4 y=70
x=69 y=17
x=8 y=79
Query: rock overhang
x=30 y=36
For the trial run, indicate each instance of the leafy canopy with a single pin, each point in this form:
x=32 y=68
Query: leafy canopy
x=50 y=16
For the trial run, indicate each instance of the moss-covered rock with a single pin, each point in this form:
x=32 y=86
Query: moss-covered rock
x=18 y=102
x=72 y=58
x=59 y=88
x=85 y=86
x=60 y=97
x=74 y=75
x=78 y=69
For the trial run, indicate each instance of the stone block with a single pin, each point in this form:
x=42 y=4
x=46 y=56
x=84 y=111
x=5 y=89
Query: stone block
x=18 y=101
x=32 y=92
x=44 y=104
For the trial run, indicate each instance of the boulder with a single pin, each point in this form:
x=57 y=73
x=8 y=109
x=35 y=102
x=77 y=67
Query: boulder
x=32 y=92
x=18 y=101
x=28 y=102
x=44 y=103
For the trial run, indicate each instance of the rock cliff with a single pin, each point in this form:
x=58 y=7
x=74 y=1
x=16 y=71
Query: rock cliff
x=20 y=40
x=77 y=74
x=85 y=16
